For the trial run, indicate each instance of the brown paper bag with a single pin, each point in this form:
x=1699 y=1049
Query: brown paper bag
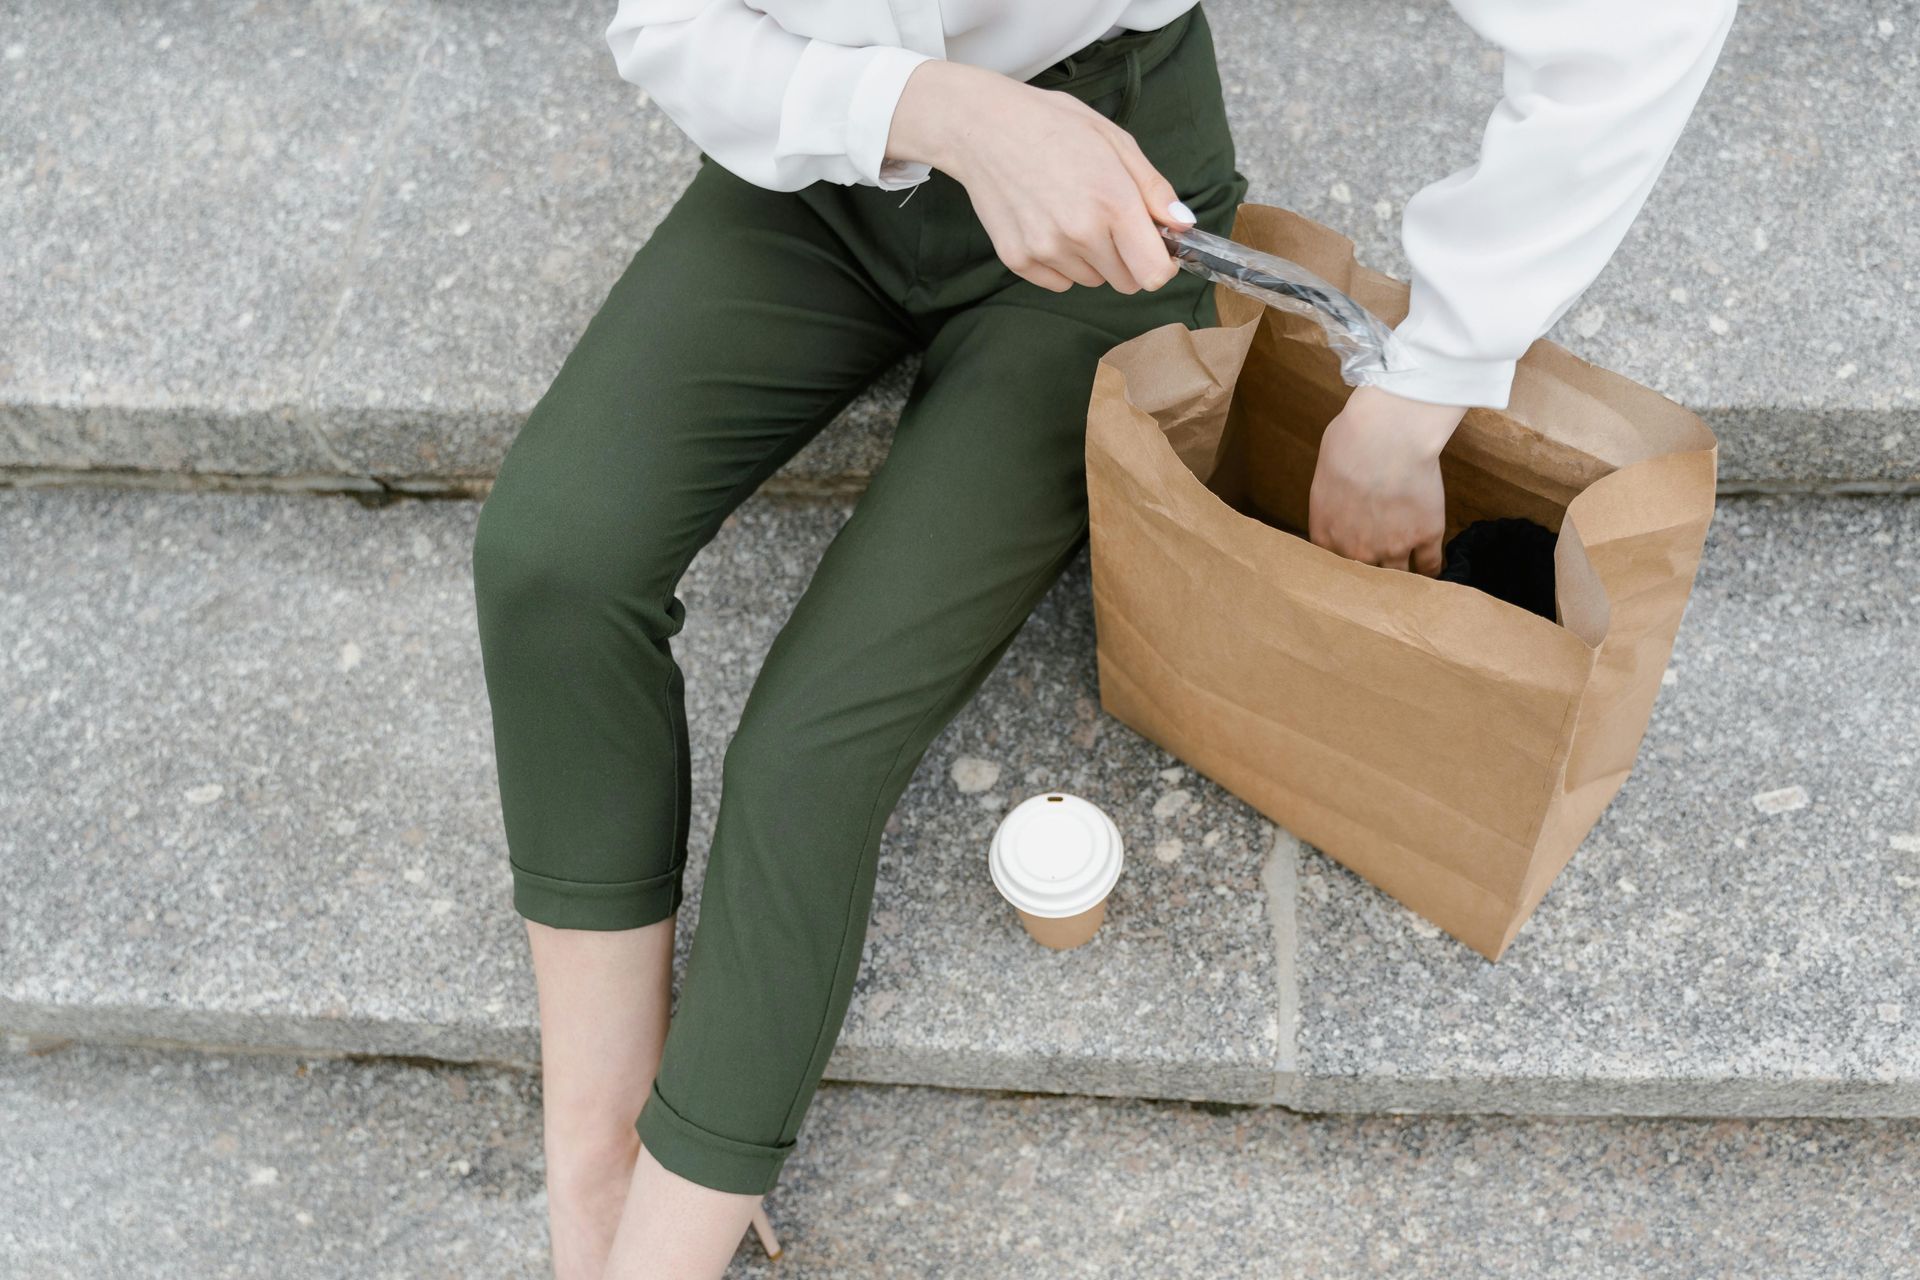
x=1450 y=747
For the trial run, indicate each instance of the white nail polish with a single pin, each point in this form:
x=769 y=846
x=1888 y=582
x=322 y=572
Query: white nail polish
x=1178 y=210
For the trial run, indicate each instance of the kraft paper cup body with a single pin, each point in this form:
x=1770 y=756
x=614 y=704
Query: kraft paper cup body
x=1056 y=857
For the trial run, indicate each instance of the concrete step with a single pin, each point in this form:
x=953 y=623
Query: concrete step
x=123 y=1163
x=349 y=248
x=250 y=801
x=259 y=808
x=1736 y=935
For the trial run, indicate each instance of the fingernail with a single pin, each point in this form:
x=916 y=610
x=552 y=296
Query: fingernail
x=1179 y=212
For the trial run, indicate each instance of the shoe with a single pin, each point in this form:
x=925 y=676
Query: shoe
x=763 y=1227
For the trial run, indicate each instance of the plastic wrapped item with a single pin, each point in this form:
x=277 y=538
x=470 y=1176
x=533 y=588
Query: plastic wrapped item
x=1361 y=339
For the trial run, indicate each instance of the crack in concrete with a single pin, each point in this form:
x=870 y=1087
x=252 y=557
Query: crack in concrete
x=790 y=489
x=1279 y=877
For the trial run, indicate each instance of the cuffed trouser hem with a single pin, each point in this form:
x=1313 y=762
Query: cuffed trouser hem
x=585 y=904
x=698 y=1155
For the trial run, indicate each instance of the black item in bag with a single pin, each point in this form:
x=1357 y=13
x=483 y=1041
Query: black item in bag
x=1510 y=559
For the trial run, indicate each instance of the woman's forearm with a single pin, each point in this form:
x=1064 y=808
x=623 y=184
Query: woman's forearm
x=1597 y=92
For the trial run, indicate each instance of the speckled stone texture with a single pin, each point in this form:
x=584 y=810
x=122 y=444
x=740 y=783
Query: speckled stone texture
x=354 y=239
x=1737 y=935
x=254 y=804
x=334 y=239
x=250 y=799
x=134 y=1163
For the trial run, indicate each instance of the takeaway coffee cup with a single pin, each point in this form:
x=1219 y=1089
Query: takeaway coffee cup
x=1056 y=857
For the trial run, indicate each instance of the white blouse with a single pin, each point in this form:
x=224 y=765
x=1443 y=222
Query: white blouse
x=786 y=93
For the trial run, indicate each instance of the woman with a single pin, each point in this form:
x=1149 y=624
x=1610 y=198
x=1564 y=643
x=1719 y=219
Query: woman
x=979 y=180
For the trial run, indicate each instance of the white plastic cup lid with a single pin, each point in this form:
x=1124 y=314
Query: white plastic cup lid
x=1055 y=855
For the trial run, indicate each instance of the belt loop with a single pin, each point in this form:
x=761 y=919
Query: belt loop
x=1130 y=97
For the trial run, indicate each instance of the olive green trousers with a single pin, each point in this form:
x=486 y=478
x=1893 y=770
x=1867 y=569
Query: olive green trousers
x=745 y=323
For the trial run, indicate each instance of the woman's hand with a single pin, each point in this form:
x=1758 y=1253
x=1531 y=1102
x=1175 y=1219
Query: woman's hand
x=1066 y=195
x=1376 y=494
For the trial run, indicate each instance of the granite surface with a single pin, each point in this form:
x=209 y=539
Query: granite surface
x=1737 y=935
x=255 y=805
x=338 y=239
x=250 y=799
x=352 y=239
x=509 y=216
x=136 y=1163
x=180 y=201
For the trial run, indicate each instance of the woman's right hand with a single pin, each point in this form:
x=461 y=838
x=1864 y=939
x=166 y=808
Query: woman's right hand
x=1066 y=194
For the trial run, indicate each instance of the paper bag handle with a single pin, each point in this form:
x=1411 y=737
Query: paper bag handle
x=1361 y=339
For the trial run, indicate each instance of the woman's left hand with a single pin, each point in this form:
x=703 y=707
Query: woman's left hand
x=1376 y=494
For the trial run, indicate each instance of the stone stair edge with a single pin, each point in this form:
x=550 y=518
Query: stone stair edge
x=1727 y=1096
x=1327 y=1085
x=316 y=1168
x=404 y=272
x=787 y=484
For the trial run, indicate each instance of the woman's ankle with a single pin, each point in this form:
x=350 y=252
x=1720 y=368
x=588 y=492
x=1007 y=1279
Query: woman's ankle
x=675 y=1228
x=585 y=1158
x=587 y=1182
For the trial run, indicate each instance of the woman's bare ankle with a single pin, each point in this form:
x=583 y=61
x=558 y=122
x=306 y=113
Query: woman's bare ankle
x=583 y=1160
x=587 y=1183
x=674 y=1229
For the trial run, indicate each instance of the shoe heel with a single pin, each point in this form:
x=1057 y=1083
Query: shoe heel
x=763 y=1228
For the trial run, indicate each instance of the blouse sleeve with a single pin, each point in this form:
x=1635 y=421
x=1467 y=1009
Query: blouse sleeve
x=780 y=110
x=1596 y=93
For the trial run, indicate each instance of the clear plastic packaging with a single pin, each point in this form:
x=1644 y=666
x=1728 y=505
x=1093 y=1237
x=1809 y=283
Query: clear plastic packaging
x=1361 y=339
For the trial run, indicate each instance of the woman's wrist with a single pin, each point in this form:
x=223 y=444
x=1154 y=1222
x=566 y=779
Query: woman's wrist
x=926 y=119
x=1428 y=426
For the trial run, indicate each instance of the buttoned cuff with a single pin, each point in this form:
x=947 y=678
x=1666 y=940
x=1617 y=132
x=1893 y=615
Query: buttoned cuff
x=841 y=101
x=871 y=120
x=1418 y=372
